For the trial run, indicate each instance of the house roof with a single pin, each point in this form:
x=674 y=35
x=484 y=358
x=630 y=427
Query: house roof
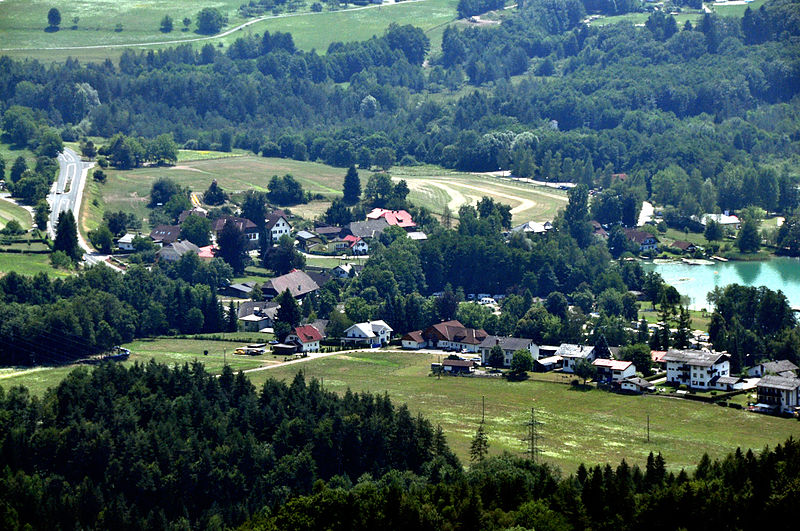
x=297 y=282
x=506 y=343
x=779 y=382
x=371 y=228
x=457 y=363
x=242 y=224
x=305 y=235
x=657 y=355
x=321 y=325
x=549 y=360
x=682 y=245
x=729 y=379
x=694 y=357
x=455 y=332
x=640 y=382
x=722 y=219
x=165 y=233
x=196 y=211
x=258 y=307
x=778 y=366
x=397 y=218
x=209 y=251
x=417 y=235
x=274 y=217
x=614 y=365
x=639 y=236
x=127 y=238
x=416 y=336
x=320 y=277
x=175 y=250
x=533 y=226
x=570 y=350
x=371 y=328
x=327 y=230
x=307 y=334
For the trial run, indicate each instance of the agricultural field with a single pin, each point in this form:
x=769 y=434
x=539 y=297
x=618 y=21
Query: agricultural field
x=96 y=36
x=29 y=264
x=576 y=425
x=10 y=210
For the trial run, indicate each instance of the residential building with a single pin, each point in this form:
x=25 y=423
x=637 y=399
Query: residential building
x=297 y=282
x=729 y=383
x=256 y=316
x=174 y=251
x=598 y=231
x=165 y=234
x=783 y=368
x=571 y=354
x=343 y=271
x=125 y=243
x=196 y=211
x=696 y=368
x=725 y=220
x=458 y=366
x=306 y=338
x=686 y=247
x=277 y=224
x=613 y=371
x=355 y=244
x=240 y=290
x=533 y=227
x=246 y=226
x=395 y=218
x=779 y=393
x=208 y=252
x=417 y=236
x=328 y=232
x=645 y=240
x=509 y=345
x=373 y=333
x=371 y=228
x=306 y=240
x=413 y=340
x=636 y=385
x=447 y=335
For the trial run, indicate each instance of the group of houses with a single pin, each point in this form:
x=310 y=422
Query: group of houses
x=355 y=237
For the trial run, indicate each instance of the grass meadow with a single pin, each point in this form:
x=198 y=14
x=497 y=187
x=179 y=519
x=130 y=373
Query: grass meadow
x=29 y=264
x=9 y=211
x=577 y=426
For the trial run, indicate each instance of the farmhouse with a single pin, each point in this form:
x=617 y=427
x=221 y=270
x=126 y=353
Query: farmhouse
x=509 y=346
x=447 y=335
x=374 y=333
x=613 y=371
x=306 y=338
x=413 y=340
x=395 y=218
x=779 y=393
x=696 y=368
x=297 y=282
x=571 y=354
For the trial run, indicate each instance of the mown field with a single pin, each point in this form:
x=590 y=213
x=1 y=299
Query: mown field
x=9 y=211
x=29 y=264
x=576 y=426
x=23 y=22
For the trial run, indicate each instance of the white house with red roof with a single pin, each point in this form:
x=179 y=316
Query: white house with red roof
x=306 y=338
x=356 y=244
x=395 y=218
x=614 y=371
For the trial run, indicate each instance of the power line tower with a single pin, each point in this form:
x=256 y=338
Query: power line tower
x=533 y=438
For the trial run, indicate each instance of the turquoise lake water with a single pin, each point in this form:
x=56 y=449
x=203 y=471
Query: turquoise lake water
x=695 y=281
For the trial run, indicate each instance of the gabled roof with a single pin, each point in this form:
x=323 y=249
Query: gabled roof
x=307 y=334
x=196 y=211
x=729 y=380
x=457 y=363
x=397 y=218
x=175 y=250
x=242 y=224
x=371 y=228
x=297 y=282
x=682 y=245
x=417 y=235
x=371 y=328
x=639 y=236
x=328 y=230
x=209 y=251
x=779 y=382
x=614 y=365
x=274 y=217
x=165 y=233
x=305 y=235
x=534 y=227
x=722 y=219
x=455 y=332
x=570 y=350
x=506 y=343
x=694 y=357
x=639 y=382
x=258 y=307
x=778 y=366
x=416 y=336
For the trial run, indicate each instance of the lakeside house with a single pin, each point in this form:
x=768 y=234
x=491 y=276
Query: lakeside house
x=695 y=368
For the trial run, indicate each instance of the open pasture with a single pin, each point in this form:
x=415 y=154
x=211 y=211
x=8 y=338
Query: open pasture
x=576 y=425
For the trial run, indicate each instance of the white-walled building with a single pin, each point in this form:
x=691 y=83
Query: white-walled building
x=696 y=368
x=369 y=333
x=306 y=337
x=509 y=346
x=614 y=371
x=571 y=354
x=779 y=392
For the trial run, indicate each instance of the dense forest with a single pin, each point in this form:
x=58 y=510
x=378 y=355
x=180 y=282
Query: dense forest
x=542 y=94
x=158 y=448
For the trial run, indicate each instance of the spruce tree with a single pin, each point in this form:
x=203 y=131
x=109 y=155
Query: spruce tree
x=352 y=186
x=232 y=318
x=479 y=447
x=67 y=236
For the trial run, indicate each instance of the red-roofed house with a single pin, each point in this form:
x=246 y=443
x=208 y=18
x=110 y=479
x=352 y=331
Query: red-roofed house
x=613 y=371
x=397 y=218
x=207 y=253
x=658 y=358
x=306 y=337
x=413 y=340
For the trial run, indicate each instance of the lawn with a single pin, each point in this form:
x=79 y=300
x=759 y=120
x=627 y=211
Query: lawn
x=699 y=319
x=736 y=10
x=29 y=264
x=9 y=211
x=638 y=19
x=576 y=426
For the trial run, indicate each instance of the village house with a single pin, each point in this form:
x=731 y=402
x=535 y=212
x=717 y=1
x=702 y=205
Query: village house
x=413 y=340
x=246 y=226
x=686 y=247
x=165 y=234
x=548 y=363
x=458 y=366
x=125 y=243
x=779 y=393
x=783 y=368
x=255 y=316
x=240 y=290
x=447 y=335
x=645 y=240
x=175 y=250
x=509 y=346
x=635 y=384
x=329 y=232
x=297 y=282
x=613 y=371
x=417 y=235
x=343 y=271
x=195 y=211
x=372 y=333
x=571 y=354
x=306 y=240
x=726 y=220
x=394 y=218
x=533 y=227
x=371 y=228
x=695 y=368
x=598 y=231
x=306 y=338
x=277 y=224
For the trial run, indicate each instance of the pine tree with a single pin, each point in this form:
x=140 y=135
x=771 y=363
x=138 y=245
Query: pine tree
x=352 y=186
x=480 y=445
x=289 y=311
x=681 y=339
x=643 y=333
x=232 y=318
x=67 y=236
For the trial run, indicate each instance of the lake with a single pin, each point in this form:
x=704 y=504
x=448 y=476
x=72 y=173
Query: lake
x=695 y=281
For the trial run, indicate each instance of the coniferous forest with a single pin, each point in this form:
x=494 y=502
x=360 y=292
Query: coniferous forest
x=156 y=448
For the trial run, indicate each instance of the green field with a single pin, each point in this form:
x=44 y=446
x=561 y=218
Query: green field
x=22 y=24
x=9 y=211
x=576 y=426
x=29 y=264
